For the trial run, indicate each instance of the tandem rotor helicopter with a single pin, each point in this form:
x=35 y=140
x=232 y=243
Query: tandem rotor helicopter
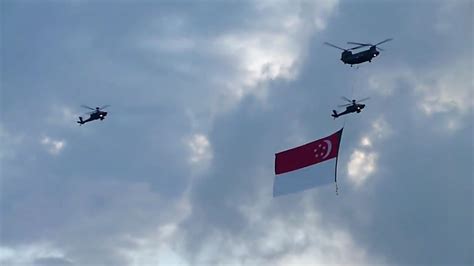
x=349 y=58
x=351 y=107
x=95 y=114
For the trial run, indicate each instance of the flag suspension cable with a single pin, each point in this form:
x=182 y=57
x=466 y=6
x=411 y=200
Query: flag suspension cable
x=337 y=158
x=335 y=177
x=343 y=126
x=335 y=167
x=352 y=96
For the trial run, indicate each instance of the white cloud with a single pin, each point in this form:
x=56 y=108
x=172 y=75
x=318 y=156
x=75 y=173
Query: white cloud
x=53 y=146
x=264 y=238
x=269 y=44
x=365 y=141
x=155 y=249
x=260 y=56
x=200 y=149
x=29 y=254
x=283 y=239
x=363 y=161
x=273 y=47
x=361 y=165
x=159 y=247
x=157 y=254
x=381 y=129
x=446 y=89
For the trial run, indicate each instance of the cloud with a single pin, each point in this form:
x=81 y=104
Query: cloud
x=200 y=149
x=442 y=92
x=33 y=254
x=158 y=246
x=364 y=159
x=53 y=146
x=296 y=237
x=360 y=166
x=365 y=142
x=260 y=56
x=273 y=44
x=270 y=44
x=195 y=85
x=101 y=212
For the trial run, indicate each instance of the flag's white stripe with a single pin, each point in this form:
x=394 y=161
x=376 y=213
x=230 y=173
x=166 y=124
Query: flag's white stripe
x=305 y=178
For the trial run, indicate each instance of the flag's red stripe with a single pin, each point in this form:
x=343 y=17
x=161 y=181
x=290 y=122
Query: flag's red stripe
x=304 y=155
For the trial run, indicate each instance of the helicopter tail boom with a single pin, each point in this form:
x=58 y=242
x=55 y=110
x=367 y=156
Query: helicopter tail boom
x=334 y=114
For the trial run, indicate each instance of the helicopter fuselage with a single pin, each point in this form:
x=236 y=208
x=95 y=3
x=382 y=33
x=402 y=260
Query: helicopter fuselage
x=365 y=56
x=94 y=116
x=354 y=108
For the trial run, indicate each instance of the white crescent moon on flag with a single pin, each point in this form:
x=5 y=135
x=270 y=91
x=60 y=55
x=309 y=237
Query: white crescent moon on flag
x=329 y=148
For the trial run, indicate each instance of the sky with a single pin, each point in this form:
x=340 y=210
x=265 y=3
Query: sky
x=202 y=94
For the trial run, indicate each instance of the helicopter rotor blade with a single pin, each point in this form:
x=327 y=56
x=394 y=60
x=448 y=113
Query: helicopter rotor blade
x=365 y=99
x=357 y=47
x=103 y=107
x=361 y=44
x=384 y=41
x=344 y=98
x=344 y=105
x=337 y=47
x=87 y=107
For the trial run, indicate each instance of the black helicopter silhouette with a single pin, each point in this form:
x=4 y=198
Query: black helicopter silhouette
x=351 y=107
x=349 y=58
x=96 y=113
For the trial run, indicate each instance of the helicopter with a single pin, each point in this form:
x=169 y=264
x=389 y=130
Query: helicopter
x=95 y=114
x=349 y=58
x=351 y=107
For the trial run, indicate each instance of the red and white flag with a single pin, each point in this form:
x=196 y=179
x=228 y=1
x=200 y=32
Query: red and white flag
x=323 y=152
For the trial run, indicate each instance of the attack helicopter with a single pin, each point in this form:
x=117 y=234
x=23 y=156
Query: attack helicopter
x=360 y=57
x=95 y=114
x=351 y=107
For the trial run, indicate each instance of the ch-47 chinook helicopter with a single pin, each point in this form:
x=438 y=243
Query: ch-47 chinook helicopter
x=349 y=58
x=95 y=114
x=351 y=107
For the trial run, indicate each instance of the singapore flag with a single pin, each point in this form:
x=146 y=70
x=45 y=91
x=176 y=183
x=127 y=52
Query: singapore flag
x=312 y=164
